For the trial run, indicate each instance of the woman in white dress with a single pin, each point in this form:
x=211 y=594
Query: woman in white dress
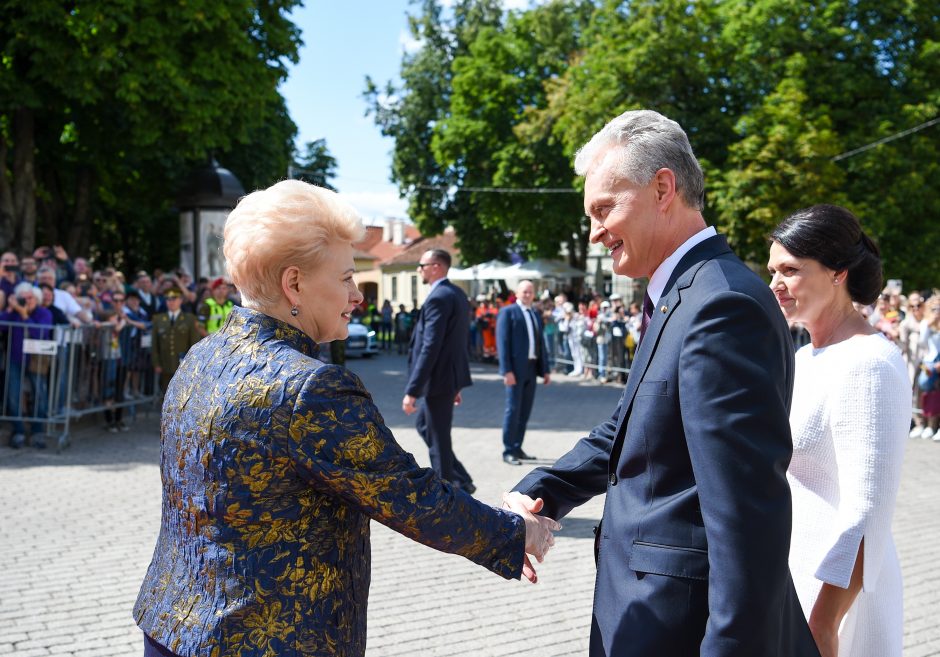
x=850 y=417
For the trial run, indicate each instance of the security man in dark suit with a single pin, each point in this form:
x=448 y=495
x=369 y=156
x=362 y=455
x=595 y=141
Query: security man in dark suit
x=439 y=365
x=174 y=332
x=522 y=358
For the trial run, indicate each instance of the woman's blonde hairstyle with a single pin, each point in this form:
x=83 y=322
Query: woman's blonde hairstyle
x=289 y=223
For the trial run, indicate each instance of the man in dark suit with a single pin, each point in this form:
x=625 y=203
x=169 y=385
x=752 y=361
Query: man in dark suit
x=522 y=358
x=439 y=365
x=692 y=550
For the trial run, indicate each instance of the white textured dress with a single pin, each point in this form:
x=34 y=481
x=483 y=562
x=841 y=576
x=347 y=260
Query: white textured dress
x=850 y=417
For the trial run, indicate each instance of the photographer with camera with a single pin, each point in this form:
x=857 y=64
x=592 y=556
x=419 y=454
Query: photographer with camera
x=24 y=307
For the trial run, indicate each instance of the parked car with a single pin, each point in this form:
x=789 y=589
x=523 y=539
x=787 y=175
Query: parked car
x=361 y=340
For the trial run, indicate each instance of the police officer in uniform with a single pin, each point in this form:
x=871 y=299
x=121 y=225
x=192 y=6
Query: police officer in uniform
x=174 y=332
x=215 y=309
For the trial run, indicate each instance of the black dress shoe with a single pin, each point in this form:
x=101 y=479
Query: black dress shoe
x=511 y=459
x=522 y=456
x=468 y=487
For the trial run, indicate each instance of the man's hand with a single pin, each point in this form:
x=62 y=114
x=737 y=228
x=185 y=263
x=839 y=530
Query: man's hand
x=509 y=379
x=458 y=399
x=408 y=405
x=538 y=529
x=547 y=378
x=60 y=253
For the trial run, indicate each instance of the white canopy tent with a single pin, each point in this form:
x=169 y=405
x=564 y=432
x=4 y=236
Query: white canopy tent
x=542 y=268
x=488 y=271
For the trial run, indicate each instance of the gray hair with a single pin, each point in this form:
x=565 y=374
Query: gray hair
x=648 y=142
x=24 y=288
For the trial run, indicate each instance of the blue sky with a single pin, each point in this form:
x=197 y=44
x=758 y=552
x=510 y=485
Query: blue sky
x=345 y=40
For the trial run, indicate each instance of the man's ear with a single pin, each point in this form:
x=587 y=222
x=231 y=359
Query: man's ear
x=664 y=185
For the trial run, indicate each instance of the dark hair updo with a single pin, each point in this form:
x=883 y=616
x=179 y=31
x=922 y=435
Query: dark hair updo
x=832 y=236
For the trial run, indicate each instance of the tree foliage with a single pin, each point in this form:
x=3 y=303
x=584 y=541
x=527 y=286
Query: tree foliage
x=315 y=165
x=771 y=93
x=105 y=106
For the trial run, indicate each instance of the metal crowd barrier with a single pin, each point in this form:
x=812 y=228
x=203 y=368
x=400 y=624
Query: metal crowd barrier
x=52 y=375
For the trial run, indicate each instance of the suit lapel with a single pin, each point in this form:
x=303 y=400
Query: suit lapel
x=681 y=278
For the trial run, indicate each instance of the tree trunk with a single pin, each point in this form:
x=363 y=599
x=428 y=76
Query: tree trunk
x=6 y=199
x=24 y=179
x=77 y=238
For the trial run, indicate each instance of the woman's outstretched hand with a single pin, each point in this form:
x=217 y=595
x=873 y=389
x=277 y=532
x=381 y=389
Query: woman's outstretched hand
x=538 y=529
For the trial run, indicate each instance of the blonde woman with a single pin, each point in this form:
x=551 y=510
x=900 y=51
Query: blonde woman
x=274 y=462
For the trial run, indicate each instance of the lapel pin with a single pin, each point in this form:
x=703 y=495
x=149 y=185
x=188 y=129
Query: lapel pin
x=664 y=309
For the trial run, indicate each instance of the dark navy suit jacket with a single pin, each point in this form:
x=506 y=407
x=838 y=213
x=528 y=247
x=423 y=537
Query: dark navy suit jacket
x=512 y=342
x=695 y=536
x=439 y=357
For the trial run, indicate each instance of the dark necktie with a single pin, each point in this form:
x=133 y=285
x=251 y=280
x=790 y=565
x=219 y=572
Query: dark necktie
x=647 y=314
x=535 y=332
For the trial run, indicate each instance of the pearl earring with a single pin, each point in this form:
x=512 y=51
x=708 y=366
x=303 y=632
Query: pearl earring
x=294 y=311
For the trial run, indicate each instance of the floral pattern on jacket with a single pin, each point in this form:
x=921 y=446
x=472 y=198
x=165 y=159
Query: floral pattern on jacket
x=272 y=465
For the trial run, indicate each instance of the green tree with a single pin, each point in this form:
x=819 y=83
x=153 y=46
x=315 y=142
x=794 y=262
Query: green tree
x=410 y=113
x=782 y=162
x=104 y=107
x=488 y=141
x=315 y=165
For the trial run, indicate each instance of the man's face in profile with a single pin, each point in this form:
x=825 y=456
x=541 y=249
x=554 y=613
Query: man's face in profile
x=624 y=217
x=429 y=268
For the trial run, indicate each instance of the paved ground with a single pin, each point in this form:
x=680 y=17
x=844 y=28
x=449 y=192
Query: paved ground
x=77 y=531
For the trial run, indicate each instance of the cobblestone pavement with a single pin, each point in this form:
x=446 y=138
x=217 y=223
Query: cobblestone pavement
x=77 y=530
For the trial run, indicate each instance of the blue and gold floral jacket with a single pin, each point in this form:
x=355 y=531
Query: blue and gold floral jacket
x=273 y=463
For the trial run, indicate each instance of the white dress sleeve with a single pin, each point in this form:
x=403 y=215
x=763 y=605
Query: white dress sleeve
x=869 y=419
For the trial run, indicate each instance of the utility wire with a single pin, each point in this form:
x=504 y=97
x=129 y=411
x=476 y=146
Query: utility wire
x=885 y=140
x=503 y=190
x=571 y=190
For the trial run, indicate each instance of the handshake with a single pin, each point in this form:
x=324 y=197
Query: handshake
x=538 y=529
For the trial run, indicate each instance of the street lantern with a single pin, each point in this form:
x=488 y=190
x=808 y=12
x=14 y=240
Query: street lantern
x=208 y=195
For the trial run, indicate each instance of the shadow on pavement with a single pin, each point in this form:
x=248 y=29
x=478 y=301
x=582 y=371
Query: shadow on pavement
x=572 y=527
x=92 y=446
x=556 y=405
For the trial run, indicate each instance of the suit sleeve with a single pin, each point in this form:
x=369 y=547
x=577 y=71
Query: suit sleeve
x=735 y=374
x=577 y=476
x=503 y=340
x=435 y=313
x=340 y=444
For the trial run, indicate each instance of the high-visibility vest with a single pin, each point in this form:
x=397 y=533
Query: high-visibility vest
x=217 y=314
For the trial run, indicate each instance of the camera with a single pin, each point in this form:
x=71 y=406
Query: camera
x=21 y=300
x=11 y=268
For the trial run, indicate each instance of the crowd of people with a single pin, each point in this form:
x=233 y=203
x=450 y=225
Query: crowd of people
x=591 y=336
x=912 y=322
x=134 y=329
x=594 y=338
